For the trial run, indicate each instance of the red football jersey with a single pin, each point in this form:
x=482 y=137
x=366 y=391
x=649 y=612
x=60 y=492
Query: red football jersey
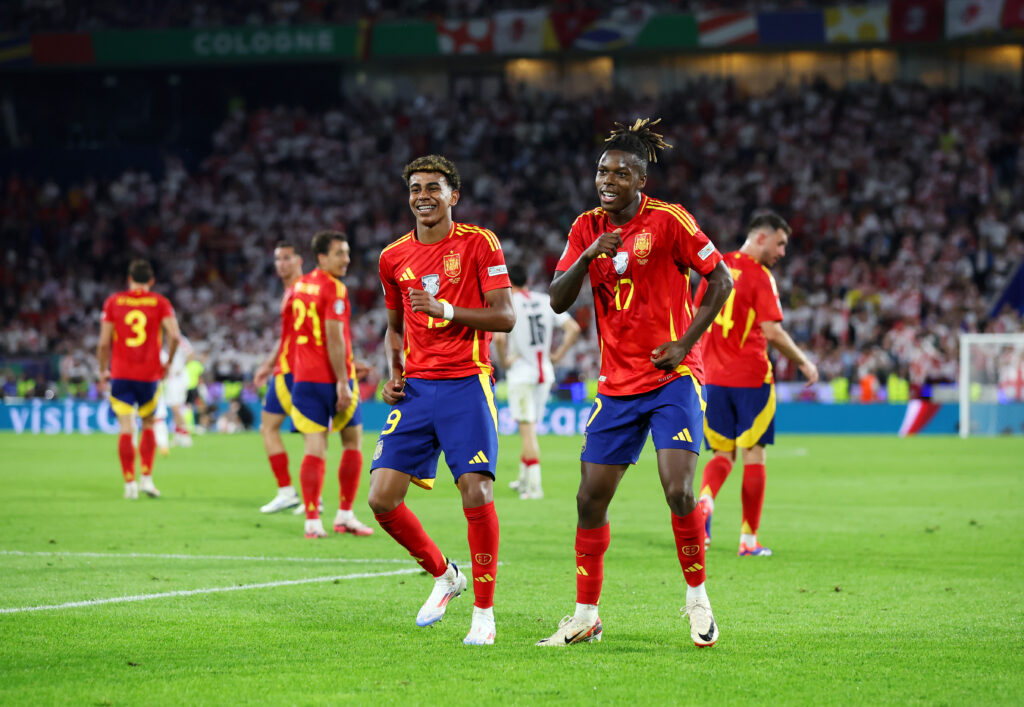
x=458 y=269
x=286 y=355
x=317 y=297
x=642 y=295
x=137 y=316
x=735 y=350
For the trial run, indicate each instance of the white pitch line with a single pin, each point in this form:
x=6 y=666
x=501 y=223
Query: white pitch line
x=208 y=590
x=157 y=556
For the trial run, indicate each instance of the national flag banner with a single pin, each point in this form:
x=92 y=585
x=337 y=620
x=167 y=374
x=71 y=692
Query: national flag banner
x=1013 y=14
x=520 y=31
x=864 y=23
x=465 y=36
x=716 y=29
x=15 y=49
x=615 y=30
x=967 y=17
x=916 y=20
x=796 y=27
x=567 y=26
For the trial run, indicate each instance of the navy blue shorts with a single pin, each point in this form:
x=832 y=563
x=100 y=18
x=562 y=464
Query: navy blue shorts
x=126 y=394
x=739 y=417
x=314 y=408
x=618 y=425
x=278 y=400
x=456 y=416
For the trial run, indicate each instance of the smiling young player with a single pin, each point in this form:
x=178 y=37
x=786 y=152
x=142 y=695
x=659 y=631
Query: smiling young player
x=446 y=288
x=638 y=252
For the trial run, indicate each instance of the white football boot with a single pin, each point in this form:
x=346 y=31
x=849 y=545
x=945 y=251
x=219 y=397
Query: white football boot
x=446 y=587
x=703 y=629
x=572 y=630
x=287 y=497
x=481 y=632
x=147 y=487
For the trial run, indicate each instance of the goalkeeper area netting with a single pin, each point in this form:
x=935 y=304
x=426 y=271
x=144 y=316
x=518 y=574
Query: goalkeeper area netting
x=991 y=384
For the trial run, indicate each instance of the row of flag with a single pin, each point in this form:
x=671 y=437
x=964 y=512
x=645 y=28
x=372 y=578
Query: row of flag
x=538 y=31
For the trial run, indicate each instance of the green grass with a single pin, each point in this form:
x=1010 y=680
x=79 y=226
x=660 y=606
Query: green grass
x=897 y=578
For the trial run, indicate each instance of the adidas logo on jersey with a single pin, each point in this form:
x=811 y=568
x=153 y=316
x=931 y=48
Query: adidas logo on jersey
x=480 y=458
x=684 y=436
x=407 y=275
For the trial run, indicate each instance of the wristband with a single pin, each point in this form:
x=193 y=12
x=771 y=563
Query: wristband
x=449 y=311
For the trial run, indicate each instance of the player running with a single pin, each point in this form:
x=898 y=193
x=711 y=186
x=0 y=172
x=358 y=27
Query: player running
x=446 y=288
x=324 y=395
x=134 y=325
x=526 y=353
x=741 y=387
x=277 y=373
x=638 y=252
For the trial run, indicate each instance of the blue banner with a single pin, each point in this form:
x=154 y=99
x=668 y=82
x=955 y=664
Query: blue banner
x=797 y=27
x=60 y=417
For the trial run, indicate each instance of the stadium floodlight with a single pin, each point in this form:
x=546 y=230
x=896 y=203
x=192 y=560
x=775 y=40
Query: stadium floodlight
x=991 y=384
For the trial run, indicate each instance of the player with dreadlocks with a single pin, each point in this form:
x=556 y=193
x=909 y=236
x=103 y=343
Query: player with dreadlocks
x=638 y=252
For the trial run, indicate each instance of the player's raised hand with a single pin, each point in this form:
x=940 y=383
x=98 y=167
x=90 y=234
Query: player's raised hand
x=669 y=355
x=423 y=301
x=394 y=390
x=344 y=396
x=606 y=244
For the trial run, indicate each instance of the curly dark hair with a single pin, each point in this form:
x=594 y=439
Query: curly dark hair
x=434 y=163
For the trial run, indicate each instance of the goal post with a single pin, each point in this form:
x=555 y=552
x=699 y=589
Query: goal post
x=991 y=384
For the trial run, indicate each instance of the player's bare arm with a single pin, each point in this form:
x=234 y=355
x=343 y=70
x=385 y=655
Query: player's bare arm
x=572 y=332
x=172 y=336
x=781 y=340
x=335 y=332
x=565 y=286
x=670 y=354
x=103 y=349
x=262 y=374
x=501 y=345
x=498 y=315
x=393 y=389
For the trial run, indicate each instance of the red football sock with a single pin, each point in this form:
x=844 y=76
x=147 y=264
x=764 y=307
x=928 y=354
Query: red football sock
x=147 y=450
x=349 y=471
x=403 y=525
x=126 y=450
x=483 y=547
x=753 y=496
x=716 y=471
x=279 y=465
x=591 y=544
x=311 y=475
x=528 y=462
x=689 y=533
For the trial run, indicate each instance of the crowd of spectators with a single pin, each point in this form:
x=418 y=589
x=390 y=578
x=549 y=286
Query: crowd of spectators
x=907 y=205
x=89 y=15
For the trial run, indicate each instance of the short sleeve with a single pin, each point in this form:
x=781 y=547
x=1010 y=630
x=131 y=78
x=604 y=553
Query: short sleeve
x=767 y=303
x=491 y=268
x=166 y=309
x=392 y=292
x=336 y=302
x=108 y=310
x=573 y=248
x=693 y=248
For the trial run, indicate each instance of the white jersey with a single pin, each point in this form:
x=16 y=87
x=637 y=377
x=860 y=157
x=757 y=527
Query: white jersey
x=181 y=354
x=529 y=343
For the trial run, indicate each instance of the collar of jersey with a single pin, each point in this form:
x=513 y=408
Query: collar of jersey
x=418 y=242
x=643 y=205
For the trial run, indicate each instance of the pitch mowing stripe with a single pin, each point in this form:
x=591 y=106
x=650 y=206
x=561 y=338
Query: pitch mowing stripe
x=157 y=556
x=208 y=590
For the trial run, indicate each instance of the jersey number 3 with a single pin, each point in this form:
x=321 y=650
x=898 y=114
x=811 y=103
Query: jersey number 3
x=136 y=321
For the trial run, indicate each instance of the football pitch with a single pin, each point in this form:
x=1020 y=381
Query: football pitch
x=896 y=579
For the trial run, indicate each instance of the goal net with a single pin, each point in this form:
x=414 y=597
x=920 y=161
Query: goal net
x=991 y=385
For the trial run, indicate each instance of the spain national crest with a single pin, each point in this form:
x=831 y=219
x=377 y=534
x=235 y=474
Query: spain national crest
x=642 y=245
x=452 y=265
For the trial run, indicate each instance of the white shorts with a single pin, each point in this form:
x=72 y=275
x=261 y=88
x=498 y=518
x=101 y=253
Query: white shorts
x=176 y=390
x=527 y=400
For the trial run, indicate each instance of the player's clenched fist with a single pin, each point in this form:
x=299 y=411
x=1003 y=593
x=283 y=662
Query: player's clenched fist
x=394 y=390
x=606 y=244
x=423 y=301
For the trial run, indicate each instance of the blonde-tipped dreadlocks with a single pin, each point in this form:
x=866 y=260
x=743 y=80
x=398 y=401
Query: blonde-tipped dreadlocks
x=638 y=139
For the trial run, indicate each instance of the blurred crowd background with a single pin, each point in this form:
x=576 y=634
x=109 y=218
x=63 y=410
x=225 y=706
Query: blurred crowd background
x=906 y=201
